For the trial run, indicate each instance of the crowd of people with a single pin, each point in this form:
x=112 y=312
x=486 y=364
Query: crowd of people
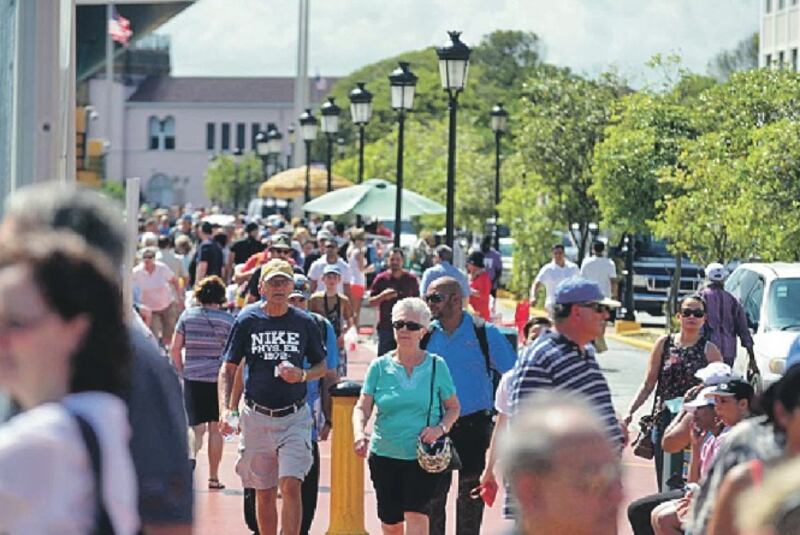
x=242 y=327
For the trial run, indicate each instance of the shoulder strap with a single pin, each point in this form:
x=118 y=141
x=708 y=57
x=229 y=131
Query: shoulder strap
x=426 y=338
x=664 y=351
x=433 y=379
x=480 y=332
x=102 y=522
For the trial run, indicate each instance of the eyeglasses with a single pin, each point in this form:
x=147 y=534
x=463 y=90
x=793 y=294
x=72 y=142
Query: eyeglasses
x=434 y=298
x=696 y=312
x=148 y=257
x=410 y=325
x=597 y=307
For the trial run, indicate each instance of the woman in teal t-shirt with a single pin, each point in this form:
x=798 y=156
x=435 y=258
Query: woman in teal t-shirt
x=399 y=385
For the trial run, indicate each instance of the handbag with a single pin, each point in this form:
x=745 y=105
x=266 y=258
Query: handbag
x=440 y=455
x=643 y=446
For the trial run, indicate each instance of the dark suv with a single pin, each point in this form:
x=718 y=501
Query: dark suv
x=653 y=268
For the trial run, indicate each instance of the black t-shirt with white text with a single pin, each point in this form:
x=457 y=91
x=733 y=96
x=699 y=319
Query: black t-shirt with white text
x=264 y=341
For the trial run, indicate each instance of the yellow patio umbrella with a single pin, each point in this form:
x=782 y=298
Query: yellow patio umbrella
x=291 y=183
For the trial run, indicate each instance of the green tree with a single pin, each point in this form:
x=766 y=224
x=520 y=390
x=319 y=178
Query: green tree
x=231 y=184
x=743 y=57
x=563 y=118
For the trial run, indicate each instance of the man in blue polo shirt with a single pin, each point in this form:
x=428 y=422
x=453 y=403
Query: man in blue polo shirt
x=275 y=448
x=455 y=337
x=443 y=258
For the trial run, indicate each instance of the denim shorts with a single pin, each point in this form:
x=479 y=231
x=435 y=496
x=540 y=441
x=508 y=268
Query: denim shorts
x=274 y=448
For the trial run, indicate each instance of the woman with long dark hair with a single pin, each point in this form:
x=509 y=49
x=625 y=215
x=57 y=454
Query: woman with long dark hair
x=65 y=464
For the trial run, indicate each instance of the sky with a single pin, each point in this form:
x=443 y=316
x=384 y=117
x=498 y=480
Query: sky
x=259 y=37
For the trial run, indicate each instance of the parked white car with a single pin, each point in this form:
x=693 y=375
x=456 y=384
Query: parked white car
x=507 y=254
x=770 y=295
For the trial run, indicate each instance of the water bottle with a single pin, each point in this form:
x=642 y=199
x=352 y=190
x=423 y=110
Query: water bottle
x=232 y=420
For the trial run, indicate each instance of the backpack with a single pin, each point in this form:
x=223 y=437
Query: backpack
x=480 y=333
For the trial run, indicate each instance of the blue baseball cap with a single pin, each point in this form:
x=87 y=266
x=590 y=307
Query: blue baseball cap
x=332 y=268
x=580 y=290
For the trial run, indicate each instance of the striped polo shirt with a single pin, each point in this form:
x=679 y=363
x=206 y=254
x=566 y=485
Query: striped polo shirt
x=205 y=331
x=555 y=362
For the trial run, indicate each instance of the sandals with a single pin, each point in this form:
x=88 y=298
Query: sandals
x=214 y=484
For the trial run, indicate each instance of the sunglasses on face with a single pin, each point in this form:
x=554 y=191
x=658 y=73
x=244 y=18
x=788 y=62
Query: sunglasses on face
x=597 y=307
x=148 y=257
x=696 y=312
x=434 y=298
x=410 y=325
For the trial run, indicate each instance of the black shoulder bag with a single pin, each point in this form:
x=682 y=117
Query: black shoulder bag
x=643 y=445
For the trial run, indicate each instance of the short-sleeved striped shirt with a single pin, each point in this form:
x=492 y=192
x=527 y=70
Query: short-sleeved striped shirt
x=555 y=362
x=205 y=331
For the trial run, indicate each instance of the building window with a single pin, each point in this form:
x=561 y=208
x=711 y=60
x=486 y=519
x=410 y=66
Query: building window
x=240 y=136
x=254 y=129
x=768 y=60
x=794 y=60
x=781 y=4
x=767 y=6
x=161 y=133
x=210 y=131
x=226 y=136
x=781 y=58
x=794 y=2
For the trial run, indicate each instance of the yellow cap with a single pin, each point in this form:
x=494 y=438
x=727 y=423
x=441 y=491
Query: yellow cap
x=277 y=268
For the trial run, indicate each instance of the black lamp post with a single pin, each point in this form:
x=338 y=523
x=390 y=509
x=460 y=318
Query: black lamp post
x=403 y=83
x=290 y=156
x=453 y=69
x=330 y=126
x=274 y=146
x=237 y=160
x=361 y=112
x=499 y=125
x=308 y=129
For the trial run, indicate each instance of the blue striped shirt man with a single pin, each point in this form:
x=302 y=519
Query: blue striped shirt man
x=556 y=362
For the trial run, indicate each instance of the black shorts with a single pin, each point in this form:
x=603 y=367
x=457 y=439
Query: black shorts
x=401 y=486
x=200 y=400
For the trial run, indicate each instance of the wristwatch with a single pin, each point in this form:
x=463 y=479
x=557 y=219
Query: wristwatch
x=444 y=428
x=305 y=374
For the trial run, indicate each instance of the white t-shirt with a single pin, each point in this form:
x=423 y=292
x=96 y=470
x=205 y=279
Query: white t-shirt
x=502 y=398
x=550 y=275
x=315 y=273
x=600 y=270
x=46 y=479
x=157 y=292
x=355 y=267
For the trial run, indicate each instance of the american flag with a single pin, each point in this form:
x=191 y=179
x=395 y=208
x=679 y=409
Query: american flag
x=119 y=28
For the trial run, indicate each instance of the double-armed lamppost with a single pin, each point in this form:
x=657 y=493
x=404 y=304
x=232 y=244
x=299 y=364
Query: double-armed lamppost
x=453 y=69
x=330 y=126
x=403 y=83
x=308 y=129
x=274 y=147
x=361 y=113
x=499 y=122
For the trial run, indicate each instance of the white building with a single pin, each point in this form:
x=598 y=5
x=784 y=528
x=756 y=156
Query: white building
x=166 y=129
x=779 y=33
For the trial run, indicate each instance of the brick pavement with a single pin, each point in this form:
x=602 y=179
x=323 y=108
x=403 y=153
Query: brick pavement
x=221 y=511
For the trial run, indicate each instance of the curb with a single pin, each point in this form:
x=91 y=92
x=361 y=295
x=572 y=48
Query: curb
x=641 y=344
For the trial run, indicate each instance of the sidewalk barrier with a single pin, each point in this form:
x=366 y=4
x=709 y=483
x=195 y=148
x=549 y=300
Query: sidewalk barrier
x=347 y=470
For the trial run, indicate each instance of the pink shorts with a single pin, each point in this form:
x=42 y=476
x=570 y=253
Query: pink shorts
x=357 y=291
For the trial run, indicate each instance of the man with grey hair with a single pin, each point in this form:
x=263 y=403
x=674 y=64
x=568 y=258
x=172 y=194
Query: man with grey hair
x=158 y=422
x=443 y=267
x=563 y=471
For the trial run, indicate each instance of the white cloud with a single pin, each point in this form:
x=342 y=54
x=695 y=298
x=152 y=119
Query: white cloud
x=258 y=37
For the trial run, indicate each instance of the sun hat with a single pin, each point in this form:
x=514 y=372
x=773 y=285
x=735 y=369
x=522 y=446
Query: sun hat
x=716 y=373
x=716 y=272
x=277 y=268
x=704 y=399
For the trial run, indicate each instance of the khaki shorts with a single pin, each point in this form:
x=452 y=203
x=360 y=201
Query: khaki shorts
x=274 y=448
x=163 y=322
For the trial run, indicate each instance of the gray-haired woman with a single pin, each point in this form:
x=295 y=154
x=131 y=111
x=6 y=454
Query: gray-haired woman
x=415 y=397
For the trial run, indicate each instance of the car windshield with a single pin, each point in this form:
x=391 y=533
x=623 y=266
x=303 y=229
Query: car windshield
x=783 y=307
x=649 y=247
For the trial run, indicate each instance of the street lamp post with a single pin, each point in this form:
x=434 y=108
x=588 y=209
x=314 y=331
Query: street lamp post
x=330 y=126
x=361 y=113
x=499 y=121
x=290 y=155
x=403 y=83
x=453 y=69
x=237 y=160
x=262 y=150
x=274 y=147
x=308 y=129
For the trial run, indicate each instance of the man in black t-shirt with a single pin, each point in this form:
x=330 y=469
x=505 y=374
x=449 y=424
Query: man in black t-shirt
x=209 y=258
x=273 y=339
x=243 y=249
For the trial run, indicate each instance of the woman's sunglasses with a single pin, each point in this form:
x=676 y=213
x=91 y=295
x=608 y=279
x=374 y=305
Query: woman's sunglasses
x=696 y=312
x=410 y=325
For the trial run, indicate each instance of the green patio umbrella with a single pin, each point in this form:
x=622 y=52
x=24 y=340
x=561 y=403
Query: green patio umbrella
x=374 y=198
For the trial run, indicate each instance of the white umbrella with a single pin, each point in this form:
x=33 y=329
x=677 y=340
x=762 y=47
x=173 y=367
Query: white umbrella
x=374 y=198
